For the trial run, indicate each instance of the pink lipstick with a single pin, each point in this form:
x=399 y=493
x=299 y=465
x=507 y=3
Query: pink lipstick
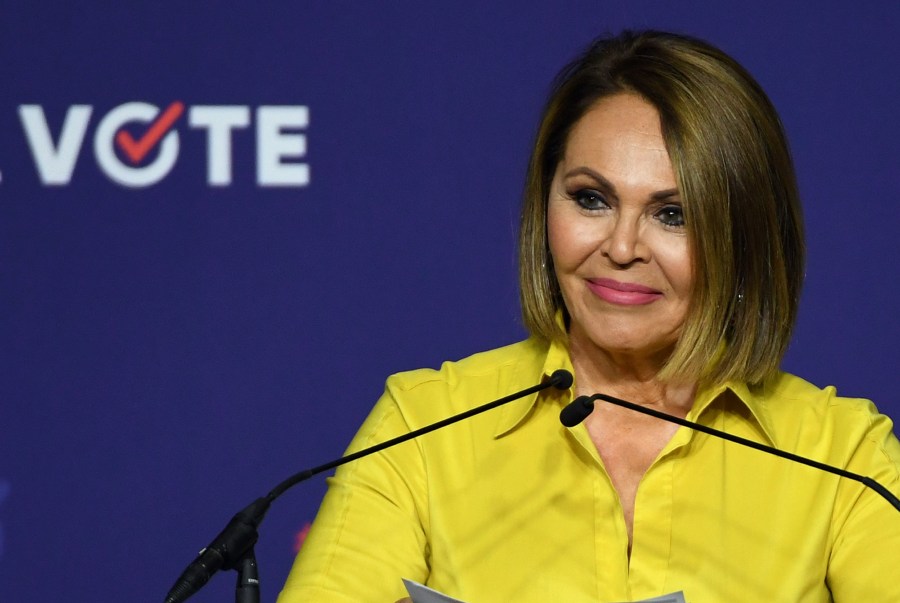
x=624 y=294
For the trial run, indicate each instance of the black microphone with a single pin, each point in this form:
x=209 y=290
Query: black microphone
x=235 y=543
x=578 y=410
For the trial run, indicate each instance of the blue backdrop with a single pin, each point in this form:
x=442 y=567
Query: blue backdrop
x=223 y=224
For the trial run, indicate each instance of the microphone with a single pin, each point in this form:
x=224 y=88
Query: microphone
x=234 y=544
x=578 y=410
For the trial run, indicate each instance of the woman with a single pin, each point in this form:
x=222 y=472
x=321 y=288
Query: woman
x=661 y=260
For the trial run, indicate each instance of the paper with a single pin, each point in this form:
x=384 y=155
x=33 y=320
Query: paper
x=670 y=598
x=422 y=594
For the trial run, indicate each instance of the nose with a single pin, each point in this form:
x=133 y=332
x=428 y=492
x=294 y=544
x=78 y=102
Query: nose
x=624 y=243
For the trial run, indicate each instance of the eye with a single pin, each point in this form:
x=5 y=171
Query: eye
x=671 y=216
x=590 y=199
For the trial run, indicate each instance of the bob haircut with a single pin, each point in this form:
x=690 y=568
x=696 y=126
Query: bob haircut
x=736 y=179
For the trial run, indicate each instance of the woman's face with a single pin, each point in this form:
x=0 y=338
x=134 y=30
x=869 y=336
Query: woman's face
x=616 y=232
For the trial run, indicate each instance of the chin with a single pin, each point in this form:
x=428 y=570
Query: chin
x=632 y=344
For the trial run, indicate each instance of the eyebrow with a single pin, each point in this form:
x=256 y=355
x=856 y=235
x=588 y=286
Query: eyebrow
x=586 y=171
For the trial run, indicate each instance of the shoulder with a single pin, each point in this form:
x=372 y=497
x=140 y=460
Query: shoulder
x=523 y=357
x=807 y=417
x=787 y=396
x=432 y=394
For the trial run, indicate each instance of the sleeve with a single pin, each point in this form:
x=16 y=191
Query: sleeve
x=369 y=532
x=866 y=537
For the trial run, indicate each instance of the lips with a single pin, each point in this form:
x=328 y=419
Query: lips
x=625 y=294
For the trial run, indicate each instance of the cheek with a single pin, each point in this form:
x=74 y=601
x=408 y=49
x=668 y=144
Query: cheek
x=570 y=241
x=555 y=237
x=674 y=260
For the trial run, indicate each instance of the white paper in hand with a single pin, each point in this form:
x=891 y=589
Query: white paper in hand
x=670 y=598
x=422 y=594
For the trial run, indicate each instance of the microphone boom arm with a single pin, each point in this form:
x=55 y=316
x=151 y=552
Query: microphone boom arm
x=234 y=543
x=583 y=402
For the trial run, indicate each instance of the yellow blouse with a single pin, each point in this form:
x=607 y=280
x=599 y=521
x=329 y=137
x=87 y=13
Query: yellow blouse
x=510 y=506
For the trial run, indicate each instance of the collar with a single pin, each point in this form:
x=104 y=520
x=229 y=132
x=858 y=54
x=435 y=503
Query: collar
x=557 y=357
x=732 y=393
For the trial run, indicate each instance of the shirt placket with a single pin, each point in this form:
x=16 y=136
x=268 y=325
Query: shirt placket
x=610 y=534
x=651 y=544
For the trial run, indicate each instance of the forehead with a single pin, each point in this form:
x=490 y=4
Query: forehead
x=621 y=138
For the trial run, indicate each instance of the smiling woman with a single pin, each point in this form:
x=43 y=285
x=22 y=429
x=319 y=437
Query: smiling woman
x=617 y=237
x=661 y=258
x=731 y=164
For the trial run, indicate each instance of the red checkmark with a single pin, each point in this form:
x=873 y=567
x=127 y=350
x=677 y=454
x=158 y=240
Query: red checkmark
x=138 y=149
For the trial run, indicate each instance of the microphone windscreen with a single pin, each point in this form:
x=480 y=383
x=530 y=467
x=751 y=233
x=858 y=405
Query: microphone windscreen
x=562 y=379
x=576 y=411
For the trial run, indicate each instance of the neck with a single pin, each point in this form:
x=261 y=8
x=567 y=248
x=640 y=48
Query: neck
x=628 y=375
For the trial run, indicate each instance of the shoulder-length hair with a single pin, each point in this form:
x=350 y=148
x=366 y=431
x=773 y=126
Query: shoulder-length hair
x=737 y=183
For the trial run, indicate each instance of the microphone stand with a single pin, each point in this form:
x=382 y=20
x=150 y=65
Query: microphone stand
x=233 y=547
x=247 y=590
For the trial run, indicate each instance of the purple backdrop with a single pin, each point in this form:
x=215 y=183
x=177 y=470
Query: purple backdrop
x=174 y=347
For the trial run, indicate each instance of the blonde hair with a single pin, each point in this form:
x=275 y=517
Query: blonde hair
x=737 y=183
